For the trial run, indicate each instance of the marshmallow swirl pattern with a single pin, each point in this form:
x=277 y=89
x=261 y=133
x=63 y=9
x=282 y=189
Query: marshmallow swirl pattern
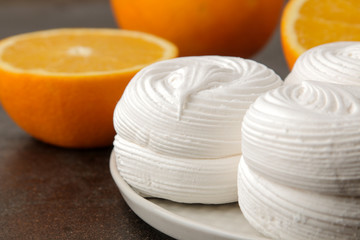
x=178 y=126
x=337 y=62
x=281 y=212
x=192 y=106
x=306 y=136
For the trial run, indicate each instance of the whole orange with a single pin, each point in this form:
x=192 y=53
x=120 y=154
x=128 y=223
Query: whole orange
x=203 y=27
x=61 y=85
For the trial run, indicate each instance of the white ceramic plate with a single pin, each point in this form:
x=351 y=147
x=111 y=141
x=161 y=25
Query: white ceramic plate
x=187 y=221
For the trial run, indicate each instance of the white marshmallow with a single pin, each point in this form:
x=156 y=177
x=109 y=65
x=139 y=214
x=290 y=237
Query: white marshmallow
x=337 y=62
x=187 y=111
x=306 y=136
x=282 y=212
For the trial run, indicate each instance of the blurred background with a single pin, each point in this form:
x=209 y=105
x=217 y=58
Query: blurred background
x=19 y=16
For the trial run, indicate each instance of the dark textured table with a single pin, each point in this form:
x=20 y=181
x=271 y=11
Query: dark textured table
x=48 y=192
x=53 y=193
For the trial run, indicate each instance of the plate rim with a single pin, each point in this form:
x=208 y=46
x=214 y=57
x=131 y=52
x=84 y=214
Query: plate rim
x=132 y=198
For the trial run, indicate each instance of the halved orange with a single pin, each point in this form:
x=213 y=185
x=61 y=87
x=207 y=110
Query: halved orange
x=61 y=85
x=309 y=23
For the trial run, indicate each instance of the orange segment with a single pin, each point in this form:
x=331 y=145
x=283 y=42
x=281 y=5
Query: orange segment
x=309 y=23
x=62 y=85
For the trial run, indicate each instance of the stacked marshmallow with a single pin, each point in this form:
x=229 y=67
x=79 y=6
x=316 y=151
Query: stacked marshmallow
x=178 y=126
x=299 y=176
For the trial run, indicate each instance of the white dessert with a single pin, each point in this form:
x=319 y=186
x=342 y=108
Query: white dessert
x=306 y=136
x=299 y=174
x=175 y=178
x=337 y=62
x=282 y=212
x=178 y=126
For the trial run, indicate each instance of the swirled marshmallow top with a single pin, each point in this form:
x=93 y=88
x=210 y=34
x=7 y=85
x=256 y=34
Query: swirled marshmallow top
x=337 y=62
x=306 y=136
x=192 y=106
